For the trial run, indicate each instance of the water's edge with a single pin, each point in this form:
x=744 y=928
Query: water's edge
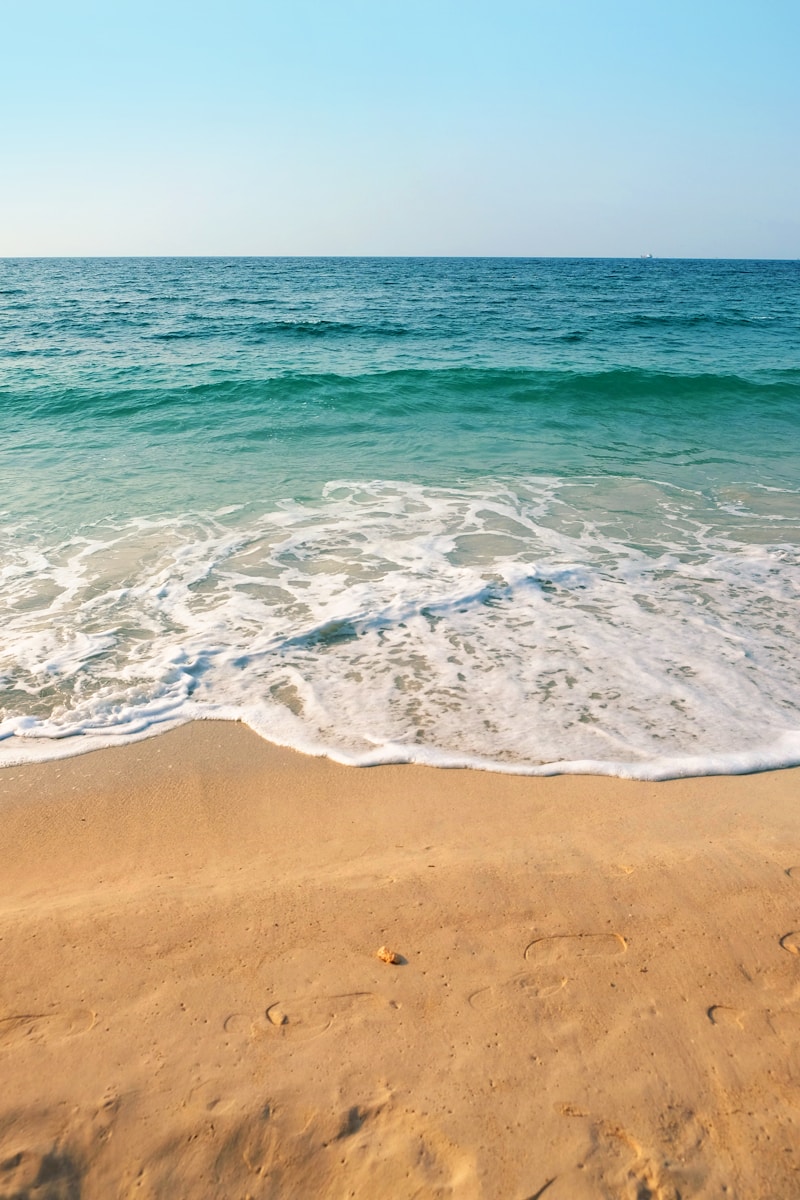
x=784 y=754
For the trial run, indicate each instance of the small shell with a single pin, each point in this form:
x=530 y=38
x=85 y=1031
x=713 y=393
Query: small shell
x=388 y=956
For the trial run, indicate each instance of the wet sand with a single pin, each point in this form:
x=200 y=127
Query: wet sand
x=600 y=992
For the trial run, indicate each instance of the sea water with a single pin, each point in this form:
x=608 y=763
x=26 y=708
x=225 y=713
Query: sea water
x=535 y=515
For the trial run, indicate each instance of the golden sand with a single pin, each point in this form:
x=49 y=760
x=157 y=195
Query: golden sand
x=598 y=992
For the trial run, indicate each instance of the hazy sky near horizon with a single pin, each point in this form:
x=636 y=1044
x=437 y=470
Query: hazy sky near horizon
x=563 y=127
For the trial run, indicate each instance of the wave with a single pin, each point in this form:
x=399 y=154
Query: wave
x=519 y=629
x=260 y=329
x=693 y=320
x=477 y=389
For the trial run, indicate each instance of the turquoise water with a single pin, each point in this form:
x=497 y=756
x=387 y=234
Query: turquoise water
x=530 y=514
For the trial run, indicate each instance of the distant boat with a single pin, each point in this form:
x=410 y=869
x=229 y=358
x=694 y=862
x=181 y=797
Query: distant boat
x=645 y=256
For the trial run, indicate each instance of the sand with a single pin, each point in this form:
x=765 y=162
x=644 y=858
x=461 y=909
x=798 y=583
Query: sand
x=598 y=993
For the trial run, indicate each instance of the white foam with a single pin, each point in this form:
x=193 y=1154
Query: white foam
x=606 y=626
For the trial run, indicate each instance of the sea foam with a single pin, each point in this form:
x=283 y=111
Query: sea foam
x=587 y=625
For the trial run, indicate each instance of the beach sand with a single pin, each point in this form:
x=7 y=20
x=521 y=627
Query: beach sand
x=600 y=992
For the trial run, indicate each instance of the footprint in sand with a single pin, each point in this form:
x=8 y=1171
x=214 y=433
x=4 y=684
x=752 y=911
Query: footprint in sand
x=722 y=1014
x=791 y=942
x=238 y=1023
x=571 y=947
x=783 y=1023
x=306 y=1017
x=793 y=873
x=558 y=953
x=311 y=1016
x=18 y=1029
x=525 y=988
x=209 y=1096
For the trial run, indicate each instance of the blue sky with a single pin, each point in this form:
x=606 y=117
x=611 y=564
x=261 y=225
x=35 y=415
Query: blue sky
x=566 y=127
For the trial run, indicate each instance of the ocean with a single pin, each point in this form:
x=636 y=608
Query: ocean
x=532 y=515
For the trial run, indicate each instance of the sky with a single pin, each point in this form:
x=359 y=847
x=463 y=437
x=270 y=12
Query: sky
x=430 y=127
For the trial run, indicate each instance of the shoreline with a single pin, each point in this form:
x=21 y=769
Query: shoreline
x=600 y=993
x=782 y=754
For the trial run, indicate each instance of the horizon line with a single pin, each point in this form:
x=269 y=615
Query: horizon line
x=502 y=257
